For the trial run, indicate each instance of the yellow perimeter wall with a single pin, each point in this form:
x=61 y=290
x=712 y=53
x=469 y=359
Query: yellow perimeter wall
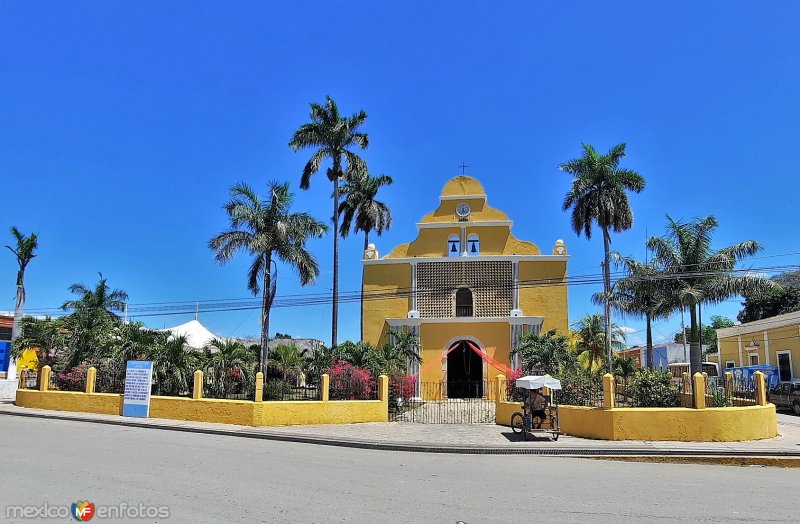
x=241 y=412
x=679 y=424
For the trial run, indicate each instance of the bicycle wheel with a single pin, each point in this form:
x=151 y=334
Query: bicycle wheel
x=517 y=422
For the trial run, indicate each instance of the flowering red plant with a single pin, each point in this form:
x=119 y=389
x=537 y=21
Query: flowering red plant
x=348 y=382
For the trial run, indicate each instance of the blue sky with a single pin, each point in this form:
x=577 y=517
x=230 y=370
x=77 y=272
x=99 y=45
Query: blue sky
x=123 y=124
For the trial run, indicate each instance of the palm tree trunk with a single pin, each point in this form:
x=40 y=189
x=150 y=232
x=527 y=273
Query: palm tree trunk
x=649 y=350
x=335 y=311
x=19 y=307
x=266 y=303
x=695 y=350
x=366 y=245
x=607 y=302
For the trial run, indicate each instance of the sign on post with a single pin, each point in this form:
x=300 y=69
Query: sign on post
x=138 y=381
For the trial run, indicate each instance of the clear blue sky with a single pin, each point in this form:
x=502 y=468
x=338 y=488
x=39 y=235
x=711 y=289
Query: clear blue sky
x=123 y=124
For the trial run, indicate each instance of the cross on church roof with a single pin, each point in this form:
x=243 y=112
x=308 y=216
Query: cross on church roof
x=463 y=167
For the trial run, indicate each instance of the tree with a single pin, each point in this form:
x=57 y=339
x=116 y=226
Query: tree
x=370 y=214
x=288 y=360
x=100 y=300
x=224 y=358
x=781 y=299
x=46 y=336
x=393 y=358
x=641 y=294
x=708 y=335
x=91 y=326
x=332 y=136
x=697 y=274
x=542 y=353
x=25 y=251
x=173 y=364
x=624 y=368
x=266 y=230
x=598 y=194
x=591 y=341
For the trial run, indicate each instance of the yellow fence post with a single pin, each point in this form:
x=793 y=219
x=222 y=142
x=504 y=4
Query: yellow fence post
x=687 y=390
x=91 y=379
x=383 y=390
x=761 y=388
x=728 y=384
x=500 y=380
x=259 y=387
x=197 y=390
x=699 y=391
x=325 y=387
x=608 y=391
x=44 y=378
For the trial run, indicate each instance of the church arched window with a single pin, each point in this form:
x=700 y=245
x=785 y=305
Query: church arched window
x=463 y=302
x=453 y=246
x=473 y=245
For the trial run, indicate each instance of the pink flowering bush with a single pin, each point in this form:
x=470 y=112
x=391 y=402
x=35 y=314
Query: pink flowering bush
x=348 y=382
x=72 y=380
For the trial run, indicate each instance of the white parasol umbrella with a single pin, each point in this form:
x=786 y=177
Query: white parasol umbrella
x=538 y=381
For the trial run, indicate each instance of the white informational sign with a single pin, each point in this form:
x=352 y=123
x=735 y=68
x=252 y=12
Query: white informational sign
x=138 y=381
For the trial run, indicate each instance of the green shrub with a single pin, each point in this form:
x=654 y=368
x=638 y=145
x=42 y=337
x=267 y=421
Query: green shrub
x=652 y=389
x=719 y=399
x=276 y=389
x=580 y=388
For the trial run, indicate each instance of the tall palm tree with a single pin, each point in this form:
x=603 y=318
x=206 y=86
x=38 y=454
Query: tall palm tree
x=590 y=343
x=100 y=300
x=332 y=136
x=598 y=194
x=546 y=352
x=25 y=251
x=699 y=274
x=640 y=293
x=370 y=214
x=266 y=230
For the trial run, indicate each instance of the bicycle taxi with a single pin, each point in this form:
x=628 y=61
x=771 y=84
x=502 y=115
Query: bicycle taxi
x=526 y=423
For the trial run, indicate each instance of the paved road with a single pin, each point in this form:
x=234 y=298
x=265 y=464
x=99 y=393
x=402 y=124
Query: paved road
x=210 y=478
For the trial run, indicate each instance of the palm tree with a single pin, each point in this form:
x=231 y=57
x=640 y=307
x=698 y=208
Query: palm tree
x=287 y=359
x=46 y=336
x=359 y=203
x=393 y=358
x=332 y=136
x=173 y=364
x=100 y=300
x=641 y=294
x=24 y=250
x=545 y=353
x=624 y=368
x=699 y=274
x=267 y=230
x=598 y=194
x=591 y=341
x=359 y=354
x=224 y=357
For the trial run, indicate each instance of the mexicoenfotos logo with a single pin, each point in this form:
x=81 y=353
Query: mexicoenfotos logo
x=82 y=510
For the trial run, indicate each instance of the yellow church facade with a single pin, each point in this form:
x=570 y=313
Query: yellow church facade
x=467 y=288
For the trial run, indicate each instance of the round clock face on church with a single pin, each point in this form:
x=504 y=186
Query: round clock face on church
x=463 y=210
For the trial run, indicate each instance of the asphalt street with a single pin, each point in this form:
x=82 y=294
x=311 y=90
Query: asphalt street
x=210 y=478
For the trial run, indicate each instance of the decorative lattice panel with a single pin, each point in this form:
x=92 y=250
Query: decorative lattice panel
x=491 y=284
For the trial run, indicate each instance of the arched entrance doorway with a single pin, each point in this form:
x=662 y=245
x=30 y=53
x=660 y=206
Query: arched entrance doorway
x=464 y=372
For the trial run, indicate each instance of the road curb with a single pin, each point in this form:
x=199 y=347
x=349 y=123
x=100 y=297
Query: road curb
x=729 y=457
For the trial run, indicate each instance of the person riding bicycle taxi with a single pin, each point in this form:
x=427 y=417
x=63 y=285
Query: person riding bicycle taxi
x=535 y=405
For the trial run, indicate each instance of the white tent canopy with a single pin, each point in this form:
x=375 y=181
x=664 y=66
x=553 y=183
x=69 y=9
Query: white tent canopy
x=197 y=335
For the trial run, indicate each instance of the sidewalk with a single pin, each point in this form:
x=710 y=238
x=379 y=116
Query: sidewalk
x=451 y=438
